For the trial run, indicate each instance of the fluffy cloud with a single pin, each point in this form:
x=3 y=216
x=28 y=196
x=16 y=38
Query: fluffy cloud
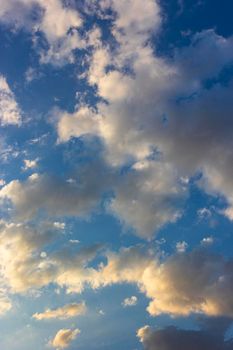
x=160 y=106
x=145 y=198
x=193 y=282
x=58 y=196
x=25 y=265
x=9 y=110
x=22 y=267
x=181 y=246
x=130 y=301
x=30 y=164
x=40 y=16
x=64 y=337
x=172 y=338
x=148 y=197
x=62 y=313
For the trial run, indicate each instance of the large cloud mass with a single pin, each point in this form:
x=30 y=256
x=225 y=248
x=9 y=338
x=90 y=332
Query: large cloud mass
x=158 y=123
x=172 y=338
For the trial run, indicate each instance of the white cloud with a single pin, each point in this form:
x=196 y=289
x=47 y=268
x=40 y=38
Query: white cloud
x=131 y=301
x=22 y=267
x=9 y=110
x=207 y=240
x=59 y=225
x=30 y=163
x=56 y=21
x=181 y=247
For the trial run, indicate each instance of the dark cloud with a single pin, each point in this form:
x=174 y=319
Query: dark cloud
x=172 y=338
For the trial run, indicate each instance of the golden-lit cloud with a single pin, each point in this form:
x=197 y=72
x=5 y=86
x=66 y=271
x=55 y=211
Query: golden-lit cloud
x=64 y=337
x=62 y=313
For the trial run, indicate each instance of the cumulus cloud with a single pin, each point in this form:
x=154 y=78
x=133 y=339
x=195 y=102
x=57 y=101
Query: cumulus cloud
x=64 y=337
x=172 y=338
x=191 y=282
x=148 y=197
x=22 y=267
x=9 y=110
x=40 y=16
x=194 y=282
x=30 y=163
x=207 y=240
x=131 y=301
x=57 y=196
x=62 y=313
x=159 y=106
x=181 y=246
x=25 y=265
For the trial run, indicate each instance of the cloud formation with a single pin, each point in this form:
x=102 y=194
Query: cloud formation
x=172 y=338
x=64 y=337
x=56 y=22
x=158 y=108
x=180 y=285
x=58 y=196
x=186 y=283
x=132 y=301
x=62 y=313
x=10 y=113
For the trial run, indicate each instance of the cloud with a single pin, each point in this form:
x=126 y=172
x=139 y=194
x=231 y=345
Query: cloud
x=157 y=200
x=40 y=16
x=181 y=246
x=195 y=282
x=180 y=285
x=183 y=284
x=64 y=337
x=58 y=196
x=22 y=267
x=30 y=164
x=62 y=313
x=5 y=302
x=132 y=301
x=172 y=338
x=148 y=197
x=158 y=107
x=10 y=113
x=207 y=240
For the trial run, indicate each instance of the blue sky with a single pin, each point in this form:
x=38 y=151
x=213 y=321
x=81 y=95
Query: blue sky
x=116 y=174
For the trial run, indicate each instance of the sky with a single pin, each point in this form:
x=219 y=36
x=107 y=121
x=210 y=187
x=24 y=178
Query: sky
x=116 y=163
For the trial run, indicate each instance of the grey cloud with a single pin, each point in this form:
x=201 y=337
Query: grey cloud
x=57 y=196
x=172 y=338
